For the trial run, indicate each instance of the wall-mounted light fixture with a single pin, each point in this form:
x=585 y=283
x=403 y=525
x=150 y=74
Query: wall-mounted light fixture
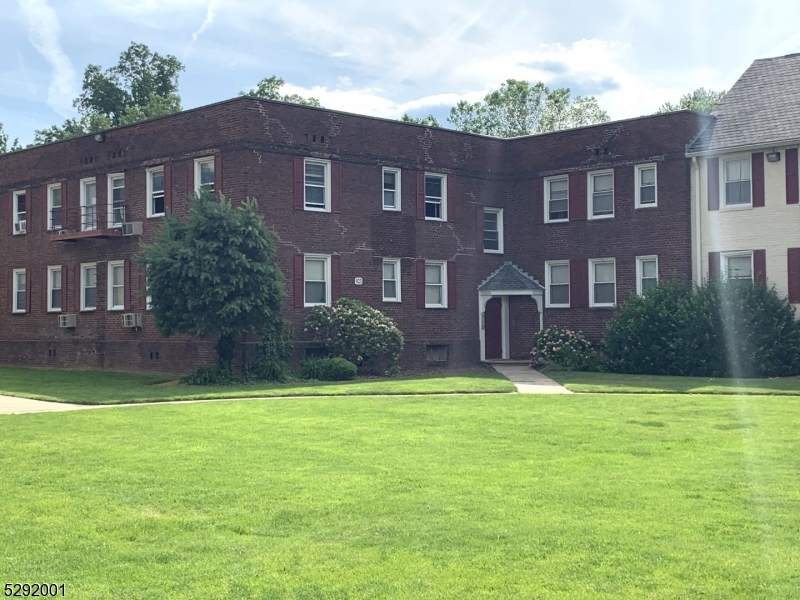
x=773 y=156
x=99 y=137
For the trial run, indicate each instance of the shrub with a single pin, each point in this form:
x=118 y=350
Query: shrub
x=328 y=369
x=563 y=347
x=271 y=358
x=361 y=334
x=210 y=376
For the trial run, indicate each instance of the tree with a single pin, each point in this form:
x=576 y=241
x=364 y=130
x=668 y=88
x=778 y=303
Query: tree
x=270 y=89
x=429 y=121
x=4 y=142
x=215 y=274
x=701 y=100
x=519 y=108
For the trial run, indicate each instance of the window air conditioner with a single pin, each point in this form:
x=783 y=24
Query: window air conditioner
x=132 y=320
x=134 y=228
x=19 y=227
x=67 y=320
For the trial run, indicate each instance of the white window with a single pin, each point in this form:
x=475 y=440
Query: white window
x=391 y=280
x=89 y=286
x=738 y=265
x=318 y=185
x=556 y=275
x=601 y=195
x=116 y=285
x=20 y=290
x=435 y=195
x=391 y=189
x=54 y=218
x=602 y=282
x=646 y=193
x=19 y=211
x=493 y=230
x=556 y=199
x=435 y=284
x=116 y=200
x=155 y=192
x=317 y=273
x=53 y=289
x=646 y=273
x=204 y=175
x=736 y=182
x=88 y=204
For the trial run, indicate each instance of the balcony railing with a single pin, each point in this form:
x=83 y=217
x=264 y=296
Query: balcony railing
x=77 y=222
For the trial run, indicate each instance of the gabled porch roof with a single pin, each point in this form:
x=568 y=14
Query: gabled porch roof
x=510 y=277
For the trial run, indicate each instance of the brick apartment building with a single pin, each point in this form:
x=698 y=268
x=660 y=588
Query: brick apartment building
x=470 y=243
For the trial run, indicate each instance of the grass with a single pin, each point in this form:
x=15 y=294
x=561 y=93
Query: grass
x=103 y=387
x=611 y=383
x=505 y=496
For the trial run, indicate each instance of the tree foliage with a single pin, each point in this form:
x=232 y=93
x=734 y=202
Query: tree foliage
x=428 y=121
x=215 y=274
x=270 y=89
x=519 y=108
x=700 y=100
x=4 y=147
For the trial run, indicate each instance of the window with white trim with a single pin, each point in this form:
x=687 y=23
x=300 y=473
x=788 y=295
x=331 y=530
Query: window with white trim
x=19 y=279
x=556 y=275
x=646 y=191
x=391 y=280
x=54 y=218
x=116 y=285
x=204 y=175
x=602 y=282
x=317 y=184
x=738 y=265
x=53 y=289
x=493 y=230
x=556 y=199
x=88 y=204
x=89 y=286
x=435 y=284
x=646 y=273
x=116 y=200
x=601 y=194
x=435 y=195
x=736 y=187
x=19 y=212
x=155 y=192
x=317 y=280
x=391 y=188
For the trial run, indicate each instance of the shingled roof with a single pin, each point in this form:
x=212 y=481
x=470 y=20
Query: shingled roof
x=509 y=277
x=761 y=109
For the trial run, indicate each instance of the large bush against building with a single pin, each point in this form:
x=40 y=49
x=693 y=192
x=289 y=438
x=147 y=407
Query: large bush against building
x=214 y=273
x=722 y=329
x=355 y=331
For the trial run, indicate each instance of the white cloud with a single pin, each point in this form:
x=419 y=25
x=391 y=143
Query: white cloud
x=44 y=30
x=211 y=12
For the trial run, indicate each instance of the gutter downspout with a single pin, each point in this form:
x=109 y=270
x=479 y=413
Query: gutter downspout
x=698 y=235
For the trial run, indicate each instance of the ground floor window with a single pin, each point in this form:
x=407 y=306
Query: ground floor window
x=317 y=280
x=89 y=286
x=20 y=290
x=557 y=284
x=738 y=265
x=391 y=280
x=53 y=289
x=602 y=282
x=646 y=273
x=435 y=284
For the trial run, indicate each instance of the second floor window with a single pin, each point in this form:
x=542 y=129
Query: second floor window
x=204 y=175
x=645 y=186
x=493 y=230
x=557 y=199
x=435 y=194
x=116 y=200
x=88 y=204
x=317 y=185
x=155 y=192
x=737 y=182
x=54 y=218
x=391 y=189
x=601 y=195
x=19 y=210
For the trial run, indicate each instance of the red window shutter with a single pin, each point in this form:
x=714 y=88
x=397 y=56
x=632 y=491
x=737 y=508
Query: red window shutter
x=420 y=194
x=299 y=280
x=11 y=213
x=127 y=292
x=713 y=183
x=44 y=207
x=538 y=200
x=792 y=184
x=190 y=176
x=44 y=289
x=10 y=290
x=579 y=283
x=577 y=197
x=760 y=266
x=452 y=283
x=336 y=186
x=451 y=197
x=64 y=206
x=713 y=265
x=757 y=160
x=299 y=183
x=420 y=283
x=479 y=228
x=793 y=256
x=101 y=190
x=336 y=277
x=28 y=290
x=168 y=188
x=65 y=287
x=218 y=174
x=142 y=287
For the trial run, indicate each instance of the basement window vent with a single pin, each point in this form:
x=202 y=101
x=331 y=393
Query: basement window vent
x=437 y=353
x=154 y=355
x=51 y=353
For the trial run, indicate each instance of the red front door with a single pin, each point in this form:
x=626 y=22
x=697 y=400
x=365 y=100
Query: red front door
x=493 y=329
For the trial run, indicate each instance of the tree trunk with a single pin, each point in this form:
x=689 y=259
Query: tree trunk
x=224 y=348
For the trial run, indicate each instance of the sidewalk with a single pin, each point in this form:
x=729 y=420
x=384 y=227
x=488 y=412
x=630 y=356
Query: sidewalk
x=529 y=381
x=10 y=405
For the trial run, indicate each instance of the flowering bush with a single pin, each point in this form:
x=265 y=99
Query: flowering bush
x=563 y=347
x=361 y=334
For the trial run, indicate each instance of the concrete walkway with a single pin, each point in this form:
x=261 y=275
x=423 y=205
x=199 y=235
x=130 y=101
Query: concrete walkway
x=529 y=381
x=9 y=405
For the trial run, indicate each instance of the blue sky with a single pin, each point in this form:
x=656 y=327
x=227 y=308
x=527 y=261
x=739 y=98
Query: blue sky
x=386 y=58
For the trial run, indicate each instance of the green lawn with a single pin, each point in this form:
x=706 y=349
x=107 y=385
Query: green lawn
x=103 y=387
x=604 y=383
x=496 y=496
